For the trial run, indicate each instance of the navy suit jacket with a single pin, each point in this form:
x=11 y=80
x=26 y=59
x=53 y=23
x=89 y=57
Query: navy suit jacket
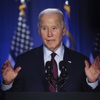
x=31 y=77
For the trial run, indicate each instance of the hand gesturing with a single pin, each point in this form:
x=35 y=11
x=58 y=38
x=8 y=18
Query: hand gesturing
x=93 y=71
x=8 y=73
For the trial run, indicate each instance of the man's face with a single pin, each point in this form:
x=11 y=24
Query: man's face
x=51 y=31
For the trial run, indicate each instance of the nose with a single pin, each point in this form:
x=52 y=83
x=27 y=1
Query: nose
x=50 y=32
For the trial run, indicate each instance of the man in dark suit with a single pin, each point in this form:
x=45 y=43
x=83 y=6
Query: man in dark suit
x=29 y=73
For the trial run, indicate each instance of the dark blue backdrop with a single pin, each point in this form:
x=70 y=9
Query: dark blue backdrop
x=82 y=18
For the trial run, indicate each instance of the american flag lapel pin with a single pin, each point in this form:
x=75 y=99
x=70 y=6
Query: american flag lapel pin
x=69 y=61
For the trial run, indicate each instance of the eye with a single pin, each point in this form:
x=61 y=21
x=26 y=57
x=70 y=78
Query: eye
x=43 y=28
x=54 y=28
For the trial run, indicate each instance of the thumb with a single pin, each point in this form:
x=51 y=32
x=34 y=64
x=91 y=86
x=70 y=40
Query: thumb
x=17 y=70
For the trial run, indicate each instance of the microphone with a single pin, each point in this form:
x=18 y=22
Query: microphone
x=63 y=69
x=48 y=71
x=63 y=75
x=49 y=75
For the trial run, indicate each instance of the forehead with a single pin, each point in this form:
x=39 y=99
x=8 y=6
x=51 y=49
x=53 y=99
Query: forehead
x=50 y=18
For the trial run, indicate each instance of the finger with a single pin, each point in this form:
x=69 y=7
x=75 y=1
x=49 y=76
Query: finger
x=86 y=64
x=8 y=69
x=9 y=64
x=4 y=67
x=6 y=64
x=17 y=69
x=97 y=62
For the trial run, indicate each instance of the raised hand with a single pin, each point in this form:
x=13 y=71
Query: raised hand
x=8 y=73
x=92 y=71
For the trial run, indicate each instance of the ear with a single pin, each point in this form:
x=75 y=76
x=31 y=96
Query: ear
x=64 y=29
x=39 y=30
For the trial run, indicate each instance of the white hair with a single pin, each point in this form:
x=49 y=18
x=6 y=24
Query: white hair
x=51 y=11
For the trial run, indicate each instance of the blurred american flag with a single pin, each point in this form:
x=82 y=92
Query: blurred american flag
x=22 y=40
x=68 y=38
x=96 y=47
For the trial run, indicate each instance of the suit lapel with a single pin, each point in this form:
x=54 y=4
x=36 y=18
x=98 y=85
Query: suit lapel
x=67 y=58
x=69 y=65
x=41 y=68
x=40 y=59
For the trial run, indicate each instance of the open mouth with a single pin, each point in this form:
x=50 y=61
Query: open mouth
x=50 y=41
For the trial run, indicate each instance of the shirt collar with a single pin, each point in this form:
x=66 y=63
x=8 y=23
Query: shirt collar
x=59 y=51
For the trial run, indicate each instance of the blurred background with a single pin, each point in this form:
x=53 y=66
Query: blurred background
x=83 y=22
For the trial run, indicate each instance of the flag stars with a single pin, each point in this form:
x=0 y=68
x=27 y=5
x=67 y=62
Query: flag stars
x=31 y=44
x=31 y=48
x=20 y=14
x=12 y=47
x=97 y=39
x=23 y=30
x=19 y=29
x=18 y=39
x=19 y=23
x=21 y=39
x=22 y=35
x=20 y=18
x=95 y=49
x=21 y=45
x=16 y=54
x=23 y=25
x=21 y=50
x=16 y=49
x=97 y=44
x=27 y=42
x=27 y=32
x=18 y=34
x=17 y=44
x=27 y=37
x=13 y=42
x=26 y=47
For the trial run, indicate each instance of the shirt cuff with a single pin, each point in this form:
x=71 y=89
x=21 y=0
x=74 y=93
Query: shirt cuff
x=92 y=85
x=6 y=87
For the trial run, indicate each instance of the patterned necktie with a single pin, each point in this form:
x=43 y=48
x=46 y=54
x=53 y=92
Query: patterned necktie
x=54 y=71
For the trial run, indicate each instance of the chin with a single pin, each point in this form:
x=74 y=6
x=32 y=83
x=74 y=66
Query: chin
x=51 y=48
